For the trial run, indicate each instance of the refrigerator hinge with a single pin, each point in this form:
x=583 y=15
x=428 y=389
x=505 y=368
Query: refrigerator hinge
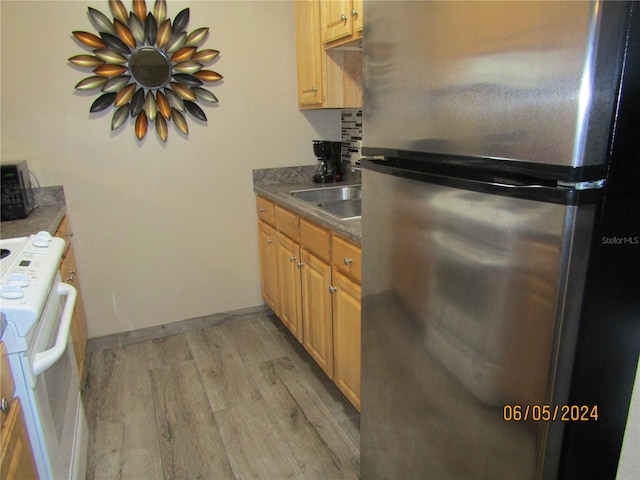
x=588 y=185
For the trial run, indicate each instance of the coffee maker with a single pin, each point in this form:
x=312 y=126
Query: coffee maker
x=330 y=157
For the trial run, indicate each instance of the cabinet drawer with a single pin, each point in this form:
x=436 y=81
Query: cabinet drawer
x=315 y=239
x=265 y=210
x=346 y=257
x=288 y=223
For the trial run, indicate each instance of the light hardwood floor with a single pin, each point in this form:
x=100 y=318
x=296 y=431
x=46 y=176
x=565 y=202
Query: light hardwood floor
x=235 y=401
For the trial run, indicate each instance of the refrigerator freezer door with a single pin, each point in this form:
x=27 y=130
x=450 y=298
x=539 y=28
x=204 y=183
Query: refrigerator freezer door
x=526 y=81
x=464 y=298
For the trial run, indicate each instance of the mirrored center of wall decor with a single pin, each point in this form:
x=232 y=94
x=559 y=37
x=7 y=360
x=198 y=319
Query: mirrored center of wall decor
x=147 y=67
x=150 y=68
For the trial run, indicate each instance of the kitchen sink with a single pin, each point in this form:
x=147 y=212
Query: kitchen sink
x=342 y=202
x=329 y=194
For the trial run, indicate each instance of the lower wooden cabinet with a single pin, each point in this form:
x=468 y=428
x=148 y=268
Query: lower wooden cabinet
x=346 y=337
x=16 y=456
x=310 y=279
x=268 y=265
x=289 y=288
x=317 y=311
x=69 y=274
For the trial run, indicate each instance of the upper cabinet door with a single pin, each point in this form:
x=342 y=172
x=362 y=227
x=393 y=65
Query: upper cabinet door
x=356 y=15
x=336 y=20
x=309 y=53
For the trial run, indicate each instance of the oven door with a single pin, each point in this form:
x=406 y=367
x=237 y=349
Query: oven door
x=58 y=415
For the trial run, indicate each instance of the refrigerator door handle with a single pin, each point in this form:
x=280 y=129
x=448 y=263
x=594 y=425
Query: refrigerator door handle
x=555 y=191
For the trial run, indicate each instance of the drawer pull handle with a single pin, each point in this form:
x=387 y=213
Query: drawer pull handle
x=261 y=210
x=269 y=241
x=347 y=261
x=4 y=405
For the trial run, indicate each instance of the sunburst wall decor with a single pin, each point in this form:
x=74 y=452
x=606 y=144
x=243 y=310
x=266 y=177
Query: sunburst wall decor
x=147 y=67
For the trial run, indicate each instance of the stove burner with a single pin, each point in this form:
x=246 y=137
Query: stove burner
x=4 y=252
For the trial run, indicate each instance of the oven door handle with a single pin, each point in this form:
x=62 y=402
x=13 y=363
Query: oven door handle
x=46 y=359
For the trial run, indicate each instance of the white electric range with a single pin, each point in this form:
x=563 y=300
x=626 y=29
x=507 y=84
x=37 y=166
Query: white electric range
x=37 y=308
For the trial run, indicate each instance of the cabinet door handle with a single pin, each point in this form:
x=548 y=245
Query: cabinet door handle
x=347 y=261
x=269 y=241
x=343 y=18
x=332 y=289
x=354 y=12
x=300 y=264
x=292 y=258
x=261 y=210
x=69 y=234
x=4 y=405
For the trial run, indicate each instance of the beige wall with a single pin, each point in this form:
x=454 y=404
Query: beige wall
x=162 y=232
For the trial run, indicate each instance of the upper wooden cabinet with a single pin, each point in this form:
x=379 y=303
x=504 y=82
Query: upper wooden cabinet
x=329 y=74
x=340 y=20
x=309 y=54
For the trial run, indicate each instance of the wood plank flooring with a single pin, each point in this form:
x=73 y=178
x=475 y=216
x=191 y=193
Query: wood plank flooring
x=240 y=400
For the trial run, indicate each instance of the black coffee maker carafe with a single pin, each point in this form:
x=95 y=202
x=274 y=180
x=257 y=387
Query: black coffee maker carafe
x=329 y=155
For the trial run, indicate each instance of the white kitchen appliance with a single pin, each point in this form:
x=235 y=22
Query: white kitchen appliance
x=38 y=308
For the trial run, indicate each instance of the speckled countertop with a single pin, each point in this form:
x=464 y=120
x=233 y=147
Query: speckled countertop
x=45 y=217
x=275 y=184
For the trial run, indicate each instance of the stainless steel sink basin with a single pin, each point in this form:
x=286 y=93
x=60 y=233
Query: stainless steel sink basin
x=343 y=202
x=329 y=194
x=343 y=209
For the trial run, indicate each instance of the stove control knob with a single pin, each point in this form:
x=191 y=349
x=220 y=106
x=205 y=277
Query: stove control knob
x=11 y=292
x=19 y=279
x=42 y=239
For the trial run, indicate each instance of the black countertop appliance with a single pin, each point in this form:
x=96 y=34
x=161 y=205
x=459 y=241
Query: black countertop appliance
x=330 y=157
x=16 y=193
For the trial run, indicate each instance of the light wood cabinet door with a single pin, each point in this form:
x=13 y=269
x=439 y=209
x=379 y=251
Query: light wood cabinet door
x=316 y=311
x=16 y=456
x=335 y=20
x=268 y=266
x=309 y=54
x=79 y=334
x=357 y=6
x=7 y=385
x=289 y=290
x=346 y=337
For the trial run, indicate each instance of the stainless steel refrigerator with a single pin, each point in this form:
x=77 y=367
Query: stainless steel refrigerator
x=501 y=238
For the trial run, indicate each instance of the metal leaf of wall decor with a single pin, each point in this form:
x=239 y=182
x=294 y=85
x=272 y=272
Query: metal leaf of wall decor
x=146 y=67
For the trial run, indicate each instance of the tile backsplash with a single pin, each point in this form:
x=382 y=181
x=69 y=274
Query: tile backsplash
x=351 y=136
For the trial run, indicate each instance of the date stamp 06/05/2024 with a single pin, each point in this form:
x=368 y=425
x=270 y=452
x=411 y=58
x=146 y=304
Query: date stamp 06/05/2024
x=546 y=413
